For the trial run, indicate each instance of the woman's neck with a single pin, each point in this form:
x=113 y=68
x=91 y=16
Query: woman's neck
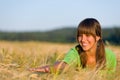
x=92 y=51
x=91 y=57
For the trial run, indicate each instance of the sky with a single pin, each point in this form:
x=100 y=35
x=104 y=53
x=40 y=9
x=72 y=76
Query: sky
x=42 y=15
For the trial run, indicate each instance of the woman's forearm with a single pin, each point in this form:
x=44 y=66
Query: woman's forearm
x=50 y=68
x=40 y=69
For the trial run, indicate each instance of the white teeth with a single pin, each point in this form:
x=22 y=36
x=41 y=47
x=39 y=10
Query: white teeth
x=84 y=44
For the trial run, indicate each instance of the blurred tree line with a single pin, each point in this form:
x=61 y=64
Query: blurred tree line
x=63 y=35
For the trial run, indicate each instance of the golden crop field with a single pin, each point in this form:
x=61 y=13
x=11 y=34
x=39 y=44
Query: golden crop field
x=17 y=57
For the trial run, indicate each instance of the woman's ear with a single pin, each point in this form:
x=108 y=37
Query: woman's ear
x=97 y=38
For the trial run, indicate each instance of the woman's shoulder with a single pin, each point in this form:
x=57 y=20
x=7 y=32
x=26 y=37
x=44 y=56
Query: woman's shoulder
x=110 y=55
x=111 y=59
x=109 y=52
x=73 y=49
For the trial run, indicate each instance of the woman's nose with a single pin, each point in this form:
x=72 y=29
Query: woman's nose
x=83 y=38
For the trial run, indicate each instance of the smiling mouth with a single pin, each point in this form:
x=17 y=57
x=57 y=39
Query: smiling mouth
x=84 y=44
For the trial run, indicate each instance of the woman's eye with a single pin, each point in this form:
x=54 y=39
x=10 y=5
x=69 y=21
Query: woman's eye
x=80 y=35
x=88 y=35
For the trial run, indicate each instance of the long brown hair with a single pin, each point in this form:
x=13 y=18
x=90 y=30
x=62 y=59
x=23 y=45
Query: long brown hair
x=93 y=27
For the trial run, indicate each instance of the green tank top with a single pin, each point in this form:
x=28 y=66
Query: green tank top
x=73 y=59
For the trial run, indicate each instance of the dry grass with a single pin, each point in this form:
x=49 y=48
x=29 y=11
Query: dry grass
x=17 y=57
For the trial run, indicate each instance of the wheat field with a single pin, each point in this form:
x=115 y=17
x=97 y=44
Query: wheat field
x=17 y=57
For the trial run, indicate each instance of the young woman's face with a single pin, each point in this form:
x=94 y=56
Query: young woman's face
x=87 y=41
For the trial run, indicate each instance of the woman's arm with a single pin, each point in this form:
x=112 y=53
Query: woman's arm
x=56 y=67
x=40 y=69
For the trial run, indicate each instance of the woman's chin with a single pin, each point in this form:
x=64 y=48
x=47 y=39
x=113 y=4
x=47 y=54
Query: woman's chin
x=85 y=48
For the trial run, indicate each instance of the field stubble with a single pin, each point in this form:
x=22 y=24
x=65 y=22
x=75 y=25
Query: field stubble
x=17 y=57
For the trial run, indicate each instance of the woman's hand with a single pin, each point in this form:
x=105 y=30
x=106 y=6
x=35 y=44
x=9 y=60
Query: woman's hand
x=53 y=68
x=40 y=69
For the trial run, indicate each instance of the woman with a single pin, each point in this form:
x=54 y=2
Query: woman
x=89 y=53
